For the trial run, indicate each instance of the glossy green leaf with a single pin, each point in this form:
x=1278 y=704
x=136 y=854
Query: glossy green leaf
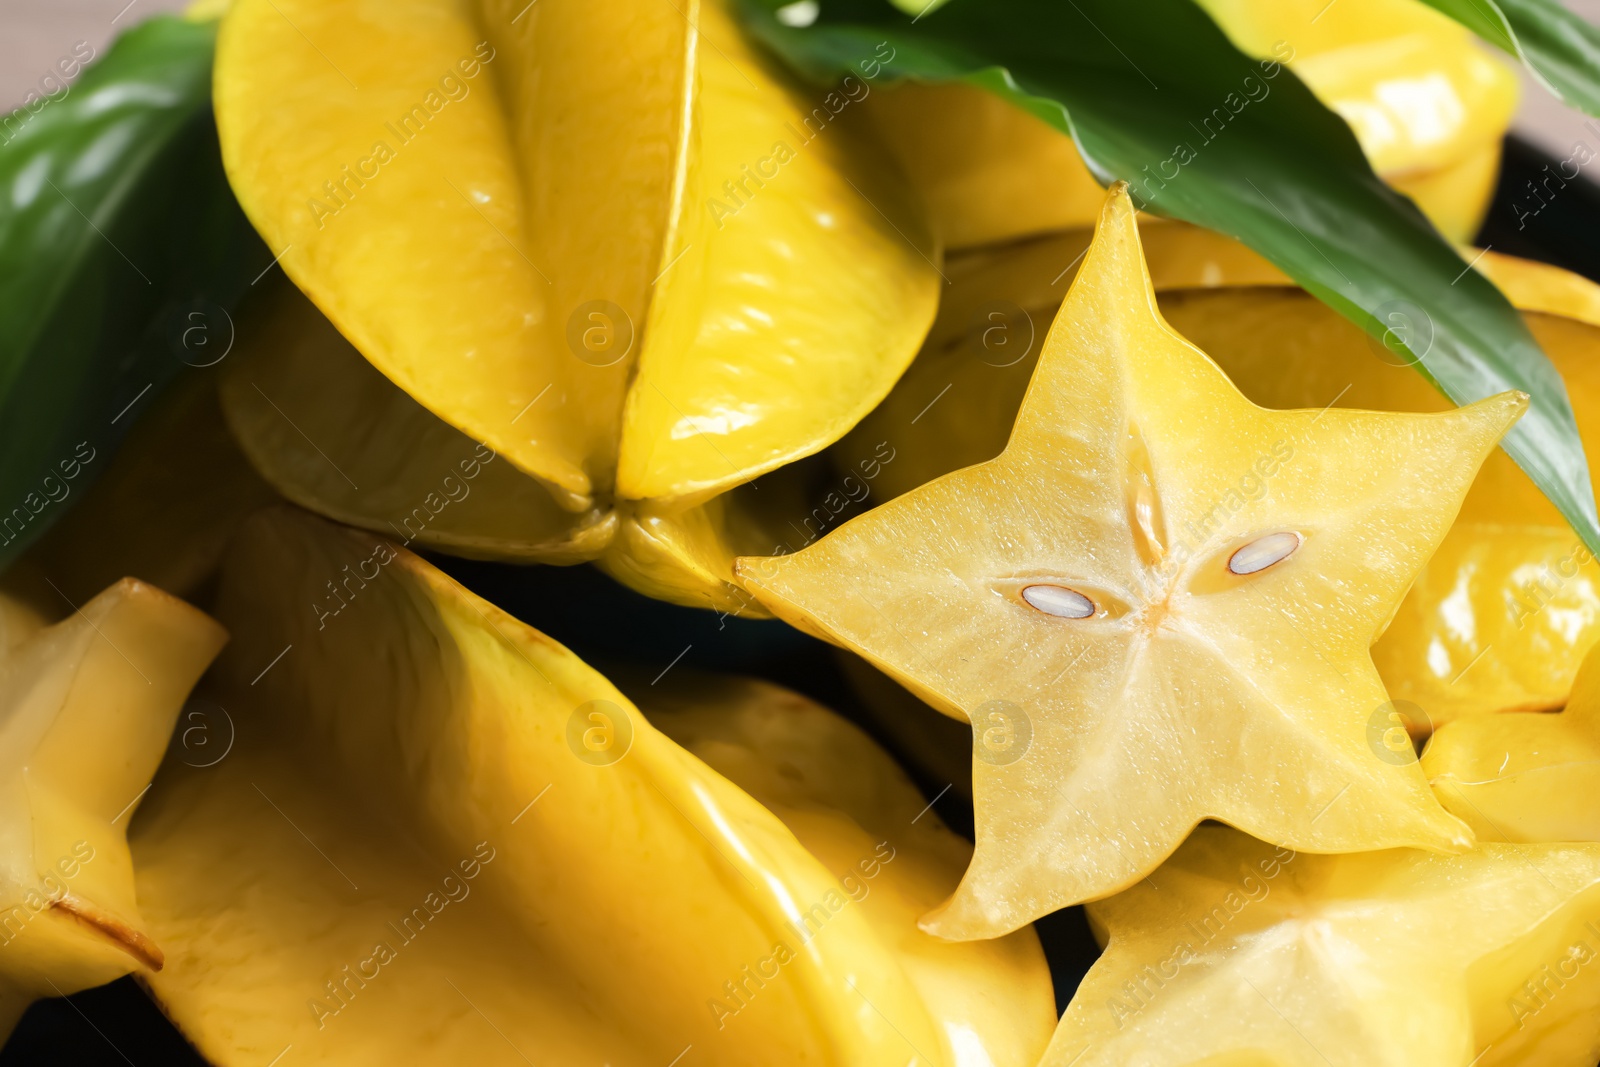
x=121 y=249
x=1560 y=47
x=1155 y=95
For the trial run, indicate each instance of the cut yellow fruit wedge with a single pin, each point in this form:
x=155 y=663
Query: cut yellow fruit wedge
x=86 y=709
x=1155 y=606
x=1237 y=952
x=1503 y=613
x=1426 y=101
x=1524 y=777
x=639 y=283
x=485 y=853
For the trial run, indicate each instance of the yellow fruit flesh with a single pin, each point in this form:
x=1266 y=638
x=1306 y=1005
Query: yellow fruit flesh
x=1511 y=594
x=426 y=774
x=1384 y=959
x=1190 y=690
x=86 y=709
x=1524 y=777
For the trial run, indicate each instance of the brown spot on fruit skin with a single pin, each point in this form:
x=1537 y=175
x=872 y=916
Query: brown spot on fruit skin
x=133 y=942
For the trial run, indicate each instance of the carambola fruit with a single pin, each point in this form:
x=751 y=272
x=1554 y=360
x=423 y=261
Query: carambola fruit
x=1137 y=645
x=86 y=708
x=441 y=838
x=639 y=284
x=1504 y=611
x=1524 y=777
x=1239 y=954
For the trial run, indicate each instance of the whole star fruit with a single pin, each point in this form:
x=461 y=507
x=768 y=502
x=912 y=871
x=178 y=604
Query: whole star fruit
x=1502 y=614
x=485 y=852
x=1136 y=654
x=358 y=449
x=1239 y=953
x=87 y=706
x=1427 y=103
x=639 y=283
x=1524 y=778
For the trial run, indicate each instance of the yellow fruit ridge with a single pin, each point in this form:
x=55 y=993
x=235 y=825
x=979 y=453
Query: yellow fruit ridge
x=641 y=284
x=440 y=838
x=1239 y=953
x=1139 y=643
x=1524 y=777
x=86 y=709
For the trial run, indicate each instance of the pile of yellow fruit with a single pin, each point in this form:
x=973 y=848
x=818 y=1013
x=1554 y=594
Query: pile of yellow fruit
x=1161 y=563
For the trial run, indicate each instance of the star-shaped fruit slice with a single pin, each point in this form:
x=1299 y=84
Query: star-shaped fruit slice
x=1155 y=606
x=86 y=709
x=1237 y=952
x=1524 y=777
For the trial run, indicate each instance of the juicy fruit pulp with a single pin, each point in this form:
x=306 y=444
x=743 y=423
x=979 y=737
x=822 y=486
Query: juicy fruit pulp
x=1503 y=612
x=86 y=709
x=666 y=277
x=1385 y=959
x=1094 y=601
x=478 y=841
x=1524 y=777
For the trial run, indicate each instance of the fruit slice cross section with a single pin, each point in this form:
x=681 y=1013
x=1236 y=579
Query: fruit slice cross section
x=1155 y=606
x=1239 y=953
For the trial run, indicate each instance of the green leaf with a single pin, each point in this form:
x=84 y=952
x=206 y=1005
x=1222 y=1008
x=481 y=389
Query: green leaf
x=118 y=233
x=1155 y=95
x=1561 y=48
